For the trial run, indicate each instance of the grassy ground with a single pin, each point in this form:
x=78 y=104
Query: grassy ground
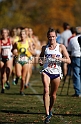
x=29 y=109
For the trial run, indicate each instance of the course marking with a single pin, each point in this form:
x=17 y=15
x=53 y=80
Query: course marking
x=34 y=91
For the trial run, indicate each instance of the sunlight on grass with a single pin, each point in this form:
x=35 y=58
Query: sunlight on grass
x=30 y=110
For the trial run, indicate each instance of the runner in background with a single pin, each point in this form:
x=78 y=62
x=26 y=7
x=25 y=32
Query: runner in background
x=31 y=42
x=6 y=59
x=20 y=50
x=37 y=51
x=16 y=38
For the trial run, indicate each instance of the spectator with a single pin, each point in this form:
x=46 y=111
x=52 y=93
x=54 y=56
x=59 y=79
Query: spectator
x=74 y=51
x=64 y=40
x=58 y=36
x=69 y=69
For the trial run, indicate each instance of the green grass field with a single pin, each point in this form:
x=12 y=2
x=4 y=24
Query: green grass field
x=29 y=109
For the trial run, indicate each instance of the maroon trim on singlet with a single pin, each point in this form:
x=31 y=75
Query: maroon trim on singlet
x=7 y=43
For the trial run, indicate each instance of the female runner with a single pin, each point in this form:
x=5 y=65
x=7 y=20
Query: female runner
x=20 y=49
x=31 y=53
x=6 y=59
x=51 y=70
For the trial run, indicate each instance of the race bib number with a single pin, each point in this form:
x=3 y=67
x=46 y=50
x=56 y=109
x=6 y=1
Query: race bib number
x=5 y=52
x=23 y=58
x=52 y=65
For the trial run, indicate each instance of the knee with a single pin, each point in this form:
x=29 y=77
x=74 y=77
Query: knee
x=3 y=76
x=18 y=74
x=53 y=96
x=23 y=79
x=46 y=91
x=8 y=70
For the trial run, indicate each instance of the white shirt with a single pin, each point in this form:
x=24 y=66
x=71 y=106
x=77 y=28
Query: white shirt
x=74 y=47
x=65 y=36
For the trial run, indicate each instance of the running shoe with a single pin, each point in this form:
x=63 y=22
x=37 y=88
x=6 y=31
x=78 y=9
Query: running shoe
x=47 y=119
x=13 y=82
x=7 y=85
x=2 y=90
x=26 y=86
x=50 y=113
x=22 y=93
x=16 y=81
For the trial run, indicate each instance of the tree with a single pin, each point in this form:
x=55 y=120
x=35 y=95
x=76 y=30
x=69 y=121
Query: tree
x=38 y=14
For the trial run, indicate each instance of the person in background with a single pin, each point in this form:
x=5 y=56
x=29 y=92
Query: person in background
x=21 y=65
x=79 y=41
x=37 y=51
x=6 y=58
x=58 y=35
x=74 y=51
x=65 y=35
x=14 y=35
x=20 y=50
x=31 y=45
x=16 y=38
x=74 y=32
x=69 y=69
x=50 y=59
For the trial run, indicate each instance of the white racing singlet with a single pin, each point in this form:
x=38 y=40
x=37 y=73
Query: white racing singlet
x=51 y=65
x=6 y=50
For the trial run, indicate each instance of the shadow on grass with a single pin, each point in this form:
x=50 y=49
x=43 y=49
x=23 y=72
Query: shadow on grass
x=20 y=112
x=25 y=94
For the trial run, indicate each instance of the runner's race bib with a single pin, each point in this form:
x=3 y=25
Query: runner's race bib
x=52 y=65
x=23 y=58
x=5 y=52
